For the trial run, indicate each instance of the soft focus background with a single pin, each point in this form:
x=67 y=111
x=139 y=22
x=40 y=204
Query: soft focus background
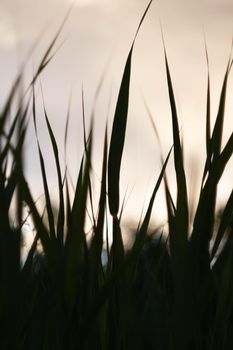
x=96 y=38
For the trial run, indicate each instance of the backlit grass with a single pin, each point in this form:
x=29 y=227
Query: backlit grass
x=173 y=294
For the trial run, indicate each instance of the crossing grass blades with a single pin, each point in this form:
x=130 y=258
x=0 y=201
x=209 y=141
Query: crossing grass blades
x=146 y=297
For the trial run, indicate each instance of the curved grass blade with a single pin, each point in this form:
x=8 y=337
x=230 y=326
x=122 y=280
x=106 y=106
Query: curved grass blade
x=44 y=178
x=118 y=139
x=182 y=213
x=85 y=147
x=118 y=132
x=61 y=212
x=214 y=143
x=47 y=57
x=208 y=124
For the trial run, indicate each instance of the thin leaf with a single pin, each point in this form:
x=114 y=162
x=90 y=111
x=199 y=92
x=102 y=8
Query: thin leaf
x=182 y=216
x=44 y=178
x=118 y=132
x=46 y=57
x=61 y=212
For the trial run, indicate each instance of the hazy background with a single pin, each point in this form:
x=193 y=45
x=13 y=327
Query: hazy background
x=98 y=34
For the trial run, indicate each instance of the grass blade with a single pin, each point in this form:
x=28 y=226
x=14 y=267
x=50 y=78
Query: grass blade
x=182 y=214
x=118 y=132
x=61 y=212
x=44 y=178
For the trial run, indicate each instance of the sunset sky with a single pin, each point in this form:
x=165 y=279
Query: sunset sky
x=96 y=38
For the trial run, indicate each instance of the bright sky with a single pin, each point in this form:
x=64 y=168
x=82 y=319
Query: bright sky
x=98 y=33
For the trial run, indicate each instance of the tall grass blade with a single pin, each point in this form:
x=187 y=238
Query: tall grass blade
x=182 y=215
x=76 y=245
x=208 y=109
x=85 y=147
x=102 y=199
x=61 y=212
x=44 y=178
x=218 y=127
x=47 y=57
x=203 y=226
x=118 y=139
x=118 y=132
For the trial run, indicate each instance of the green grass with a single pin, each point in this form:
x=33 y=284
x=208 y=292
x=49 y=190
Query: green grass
x=173 y=294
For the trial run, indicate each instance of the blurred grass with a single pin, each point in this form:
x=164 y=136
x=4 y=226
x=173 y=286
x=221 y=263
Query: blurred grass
x=158 y=294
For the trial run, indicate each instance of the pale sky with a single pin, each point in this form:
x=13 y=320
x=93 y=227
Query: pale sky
x=100 y=33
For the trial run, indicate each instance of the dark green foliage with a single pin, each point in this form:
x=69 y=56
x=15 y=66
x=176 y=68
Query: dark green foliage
x=173 y=293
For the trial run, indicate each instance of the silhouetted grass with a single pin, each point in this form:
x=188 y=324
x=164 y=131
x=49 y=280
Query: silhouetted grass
x=174 y=294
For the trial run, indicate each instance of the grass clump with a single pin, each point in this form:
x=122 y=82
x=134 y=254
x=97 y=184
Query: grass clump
x=173 y=294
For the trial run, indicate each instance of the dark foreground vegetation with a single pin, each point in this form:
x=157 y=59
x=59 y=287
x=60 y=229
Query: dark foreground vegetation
x=174 y=293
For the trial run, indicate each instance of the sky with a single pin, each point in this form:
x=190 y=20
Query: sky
x=96 y=38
